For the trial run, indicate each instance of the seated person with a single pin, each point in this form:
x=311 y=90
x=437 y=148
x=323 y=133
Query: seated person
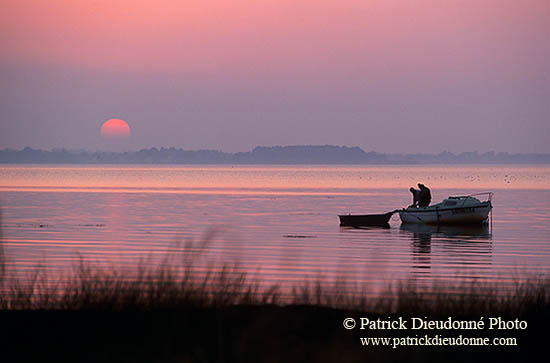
x=416 y=197
x=425 y=196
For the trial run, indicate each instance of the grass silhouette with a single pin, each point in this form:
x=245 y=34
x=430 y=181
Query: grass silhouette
x=164 y=313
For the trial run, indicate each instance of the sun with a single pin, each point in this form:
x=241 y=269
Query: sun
x=115 y=129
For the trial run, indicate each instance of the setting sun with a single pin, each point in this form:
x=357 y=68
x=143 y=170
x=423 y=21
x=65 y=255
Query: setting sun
x=115 y=129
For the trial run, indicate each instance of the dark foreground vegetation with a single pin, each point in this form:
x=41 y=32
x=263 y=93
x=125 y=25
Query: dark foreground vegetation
x=164 y=315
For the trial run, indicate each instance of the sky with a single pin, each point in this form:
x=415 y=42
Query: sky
x=386 y=75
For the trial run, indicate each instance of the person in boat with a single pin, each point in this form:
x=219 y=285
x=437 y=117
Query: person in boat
x=425 y=196
x=416 y=197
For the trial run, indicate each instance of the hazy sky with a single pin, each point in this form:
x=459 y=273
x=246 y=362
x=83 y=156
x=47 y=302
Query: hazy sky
x=385 y=75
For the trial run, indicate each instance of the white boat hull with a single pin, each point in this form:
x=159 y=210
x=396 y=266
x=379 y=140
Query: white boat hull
x=467 y=213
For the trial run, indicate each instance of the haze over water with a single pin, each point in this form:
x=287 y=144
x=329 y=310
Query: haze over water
x=278 y=223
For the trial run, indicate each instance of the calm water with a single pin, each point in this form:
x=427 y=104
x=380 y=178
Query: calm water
x=278 y=223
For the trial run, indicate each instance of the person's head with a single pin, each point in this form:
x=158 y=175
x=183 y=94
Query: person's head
x=412 y=190
x=421 y=186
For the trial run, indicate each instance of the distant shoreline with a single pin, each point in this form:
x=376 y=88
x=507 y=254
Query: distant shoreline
x=261 y=155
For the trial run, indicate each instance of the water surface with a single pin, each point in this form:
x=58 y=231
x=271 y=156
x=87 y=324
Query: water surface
x=279 y=223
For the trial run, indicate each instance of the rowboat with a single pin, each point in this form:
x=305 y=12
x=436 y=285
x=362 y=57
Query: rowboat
x=453 y=210
x=364 y=220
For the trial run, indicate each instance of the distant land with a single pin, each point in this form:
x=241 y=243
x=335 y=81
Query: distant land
x=300 y=154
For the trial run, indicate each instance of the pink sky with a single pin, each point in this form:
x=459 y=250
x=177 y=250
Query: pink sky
x=393 y=76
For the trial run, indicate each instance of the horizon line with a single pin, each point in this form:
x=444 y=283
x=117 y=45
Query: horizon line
x=161 y=148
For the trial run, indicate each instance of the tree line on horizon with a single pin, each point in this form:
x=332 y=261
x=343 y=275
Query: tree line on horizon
x=299 y=154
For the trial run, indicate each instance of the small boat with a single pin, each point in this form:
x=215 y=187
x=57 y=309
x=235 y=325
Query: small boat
x=453 y=210
x=365 y=220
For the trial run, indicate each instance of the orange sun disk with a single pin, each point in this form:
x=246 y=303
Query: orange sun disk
x=115 y=129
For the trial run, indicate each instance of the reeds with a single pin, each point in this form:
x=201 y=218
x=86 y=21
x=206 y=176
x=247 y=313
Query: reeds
x=151 y=286
x=168 y=312
x=171 y=286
